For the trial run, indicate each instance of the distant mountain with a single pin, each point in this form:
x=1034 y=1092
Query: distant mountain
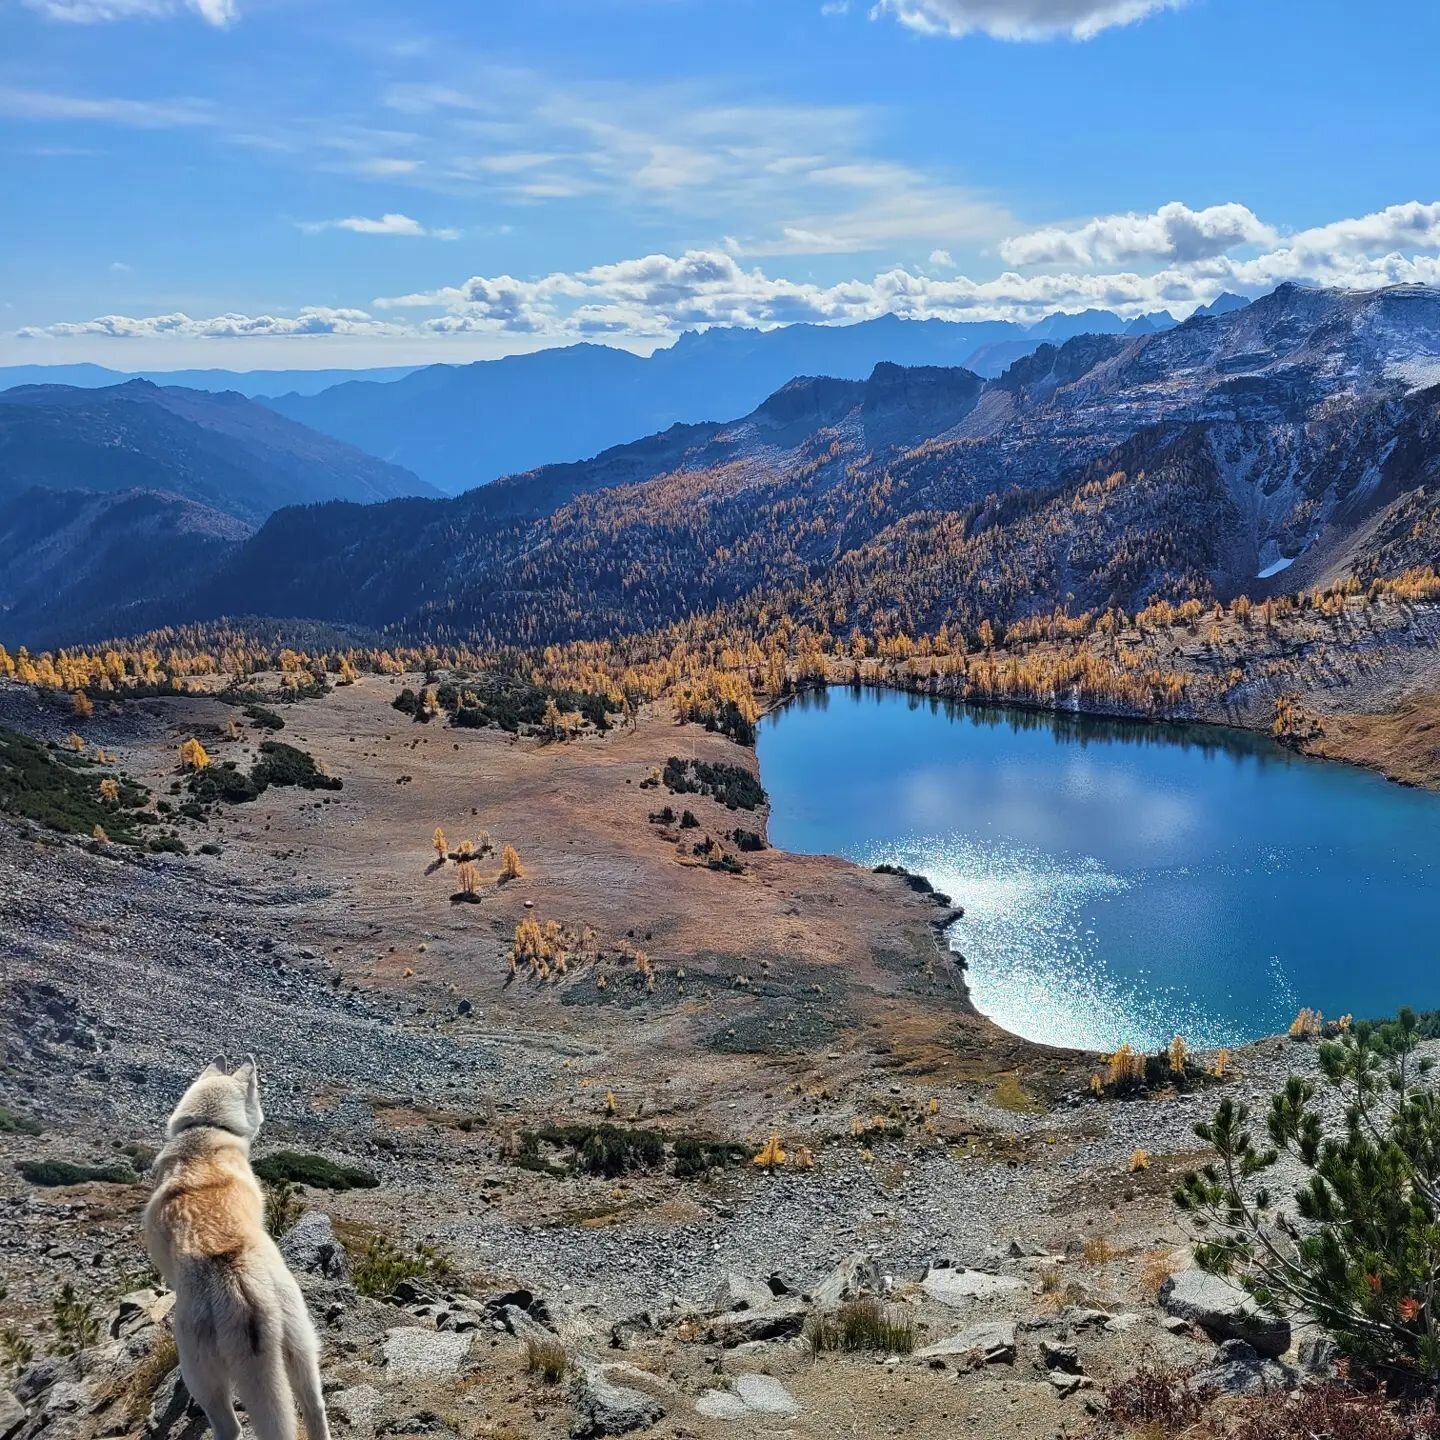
x=242 y=382
x=1223 y=304
x=461 y=426
x=110 y=556
x=1103 y=471
x=221 y=451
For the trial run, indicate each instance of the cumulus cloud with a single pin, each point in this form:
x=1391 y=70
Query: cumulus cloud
x=1174 y=233
x=657 y=296
x=1020 y=19
x=311 y=320
x=390 y=224
x=219 y=13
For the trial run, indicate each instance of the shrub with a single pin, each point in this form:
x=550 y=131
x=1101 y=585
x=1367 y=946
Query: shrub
x=1364 y=1267
x=546 y=1359
x=59 y=791
x=732 y=786
x=605 y=1149
x=382 y=1265
x=14 y=1123
x=282 y=764
x=283 y=1207
x=696 y=1157
x=510 y=866
x=16 y=1352
x=65 y=1172
x=300 y=1168
x=862 y=1324
x=76 y=1325
x=265 y=719
x=1153 y=1398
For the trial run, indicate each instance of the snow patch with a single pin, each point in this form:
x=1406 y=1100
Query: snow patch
x=1275 y=567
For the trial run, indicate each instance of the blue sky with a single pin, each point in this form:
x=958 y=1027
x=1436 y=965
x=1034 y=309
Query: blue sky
x=329 y=182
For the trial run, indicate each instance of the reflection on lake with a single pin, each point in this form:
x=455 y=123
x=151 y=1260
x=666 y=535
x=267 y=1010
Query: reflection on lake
x=1124 y=881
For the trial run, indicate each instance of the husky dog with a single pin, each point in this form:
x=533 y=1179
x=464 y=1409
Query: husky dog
x=240 y=1323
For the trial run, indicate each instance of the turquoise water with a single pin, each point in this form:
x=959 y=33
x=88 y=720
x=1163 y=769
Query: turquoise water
x=1122 y=881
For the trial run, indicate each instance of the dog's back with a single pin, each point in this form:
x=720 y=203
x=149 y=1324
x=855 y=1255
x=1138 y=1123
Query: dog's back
x=240 y=1321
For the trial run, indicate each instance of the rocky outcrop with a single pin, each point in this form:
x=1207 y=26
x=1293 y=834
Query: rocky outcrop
x=1223 y=1311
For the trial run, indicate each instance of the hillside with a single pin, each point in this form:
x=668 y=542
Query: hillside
x=221 y=451
x=462 y=425
x=1287 y=437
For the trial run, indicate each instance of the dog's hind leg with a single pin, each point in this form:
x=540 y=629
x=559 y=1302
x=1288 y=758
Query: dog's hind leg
x=265 y=1392
x=211 y=1392
x=302 y=1364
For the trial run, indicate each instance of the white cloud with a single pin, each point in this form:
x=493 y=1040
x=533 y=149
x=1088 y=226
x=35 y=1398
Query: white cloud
x=1020 y=19
x=383 y=166
x=943 y=259
x=654 y=297
x=219 y=13
x=1174 y=233
x=24 y=104
x=312 y=320
x=390 y=224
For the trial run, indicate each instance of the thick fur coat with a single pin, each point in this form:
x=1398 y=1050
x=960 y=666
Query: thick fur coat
x=241 y=1326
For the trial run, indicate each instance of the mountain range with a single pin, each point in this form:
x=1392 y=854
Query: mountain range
x=218 y=450
x=1282 y=443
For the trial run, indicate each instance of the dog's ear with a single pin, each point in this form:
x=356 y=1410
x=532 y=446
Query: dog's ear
x=248 y=1073
x=220 y=1065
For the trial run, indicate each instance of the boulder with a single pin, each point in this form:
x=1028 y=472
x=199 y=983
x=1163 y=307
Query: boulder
x=962 y=1288
x=753 y=1395
x=173 y=1414
x=310 y=1247
x=1067 y=1382
x=138 y=1309
x=739 y=1292
x=604 y=1408
x=1223 y=1311
x=1060 y=1357
x=1240 y=1369
x=12 y=1414
x=992 y=1344
x=777 y=1321
x=855 y=1275
x=414 y=1353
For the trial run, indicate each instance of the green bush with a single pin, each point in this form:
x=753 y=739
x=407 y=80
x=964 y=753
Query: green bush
x=733 y=786
x=382 y=1265
x=66 y=1172
x=603 y=1149
x=1365 y=1265
x=265 y=719
x=61 y=791
x=862 y=1324
x=14 y=1123
x=695 y=1157
x=300 y=1168
x=282 y=764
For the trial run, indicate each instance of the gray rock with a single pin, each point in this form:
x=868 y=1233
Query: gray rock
x=1240 y=1369
x=12 y=1414
x=855 y=1275
x=1068 y=1383
x=357 y=1406
x=173 y=1414
x=1317 y=1355
x=41 y=1376
x=765 y=1395
x=605 y=1408
x=722 y=1405
x=739 y=1292
x=1060 y=1357
x=523 y=1325
x=778 y=1321
x=138 y=1309
x=962 y=1288
x=1223 y=1311
x=310 y=1246
x=992 y=1344
x=410 y=1351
